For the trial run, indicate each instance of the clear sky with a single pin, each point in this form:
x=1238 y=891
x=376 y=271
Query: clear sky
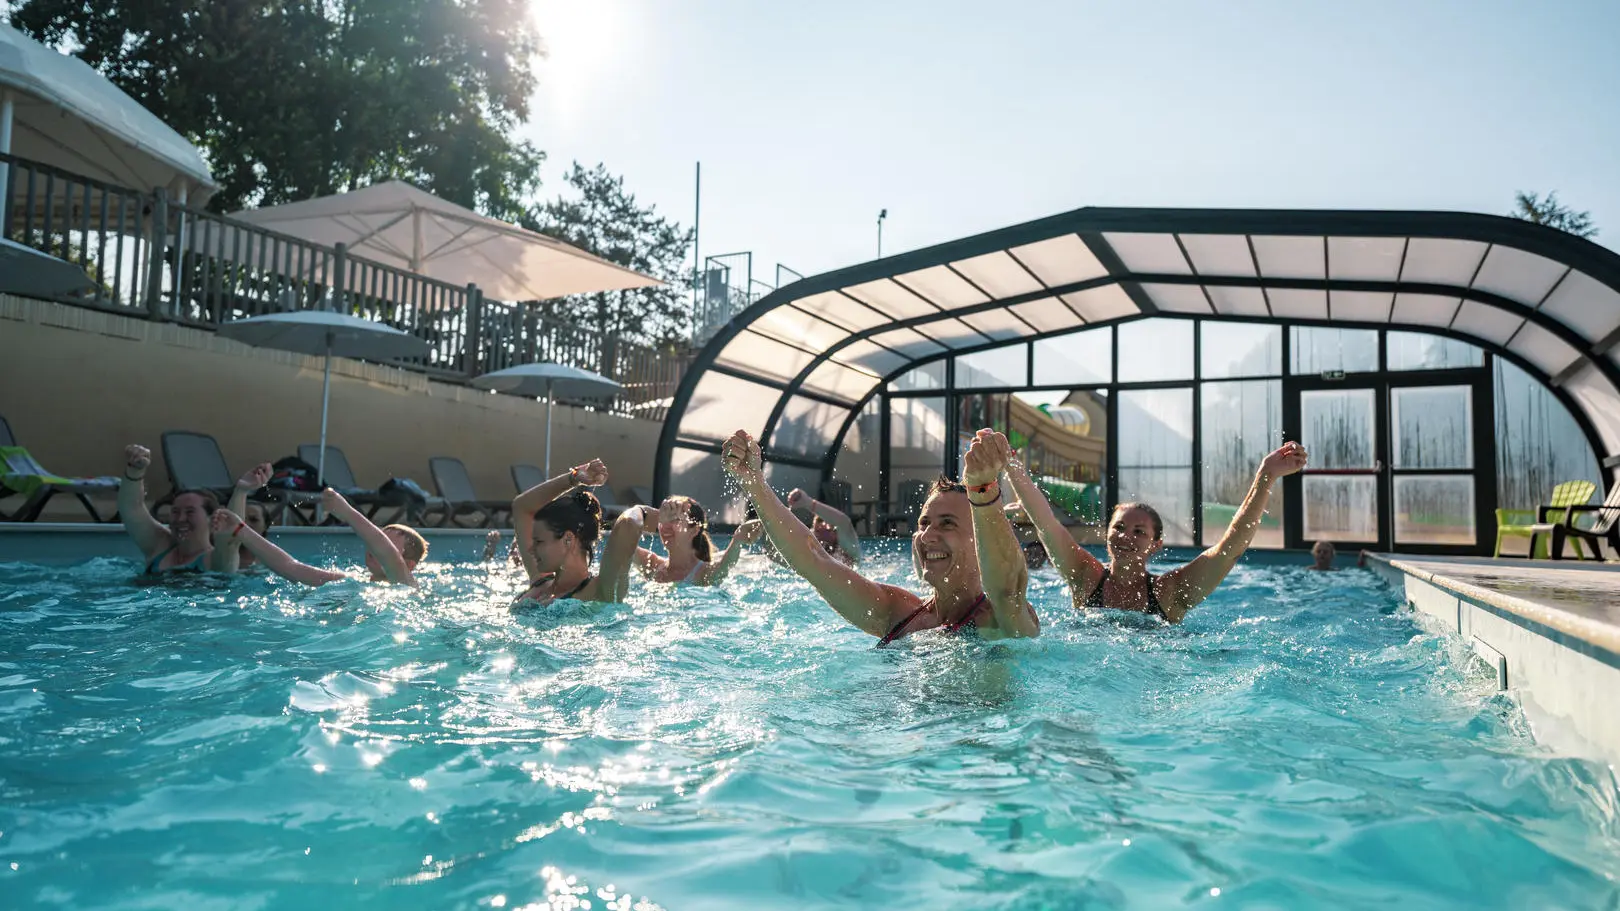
x=960 y=117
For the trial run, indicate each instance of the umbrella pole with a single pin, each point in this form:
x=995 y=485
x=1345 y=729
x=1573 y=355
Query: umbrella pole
x=549 y=397
x=326 y=397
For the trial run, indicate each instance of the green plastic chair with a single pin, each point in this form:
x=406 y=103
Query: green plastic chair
x=1521 y=523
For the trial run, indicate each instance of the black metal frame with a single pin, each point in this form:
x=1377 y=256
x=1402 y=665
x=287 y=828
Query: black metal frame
x=1090 y=224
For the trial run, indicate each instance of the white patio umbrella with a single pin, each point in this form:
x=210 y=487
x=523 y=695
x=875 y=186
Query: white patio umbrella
x=26 y=271
x=549 y=380
x=328 y=334
x=399 y=225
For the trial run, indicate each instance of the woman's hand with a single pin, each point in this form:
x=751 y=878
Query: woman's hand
x=749 y=531
x=986 y=458
x=226 y=525
x=591 y=474
x=137 y=459
x=742 y=459
x=797 y=498
x=1287 y=459
x=256 y=477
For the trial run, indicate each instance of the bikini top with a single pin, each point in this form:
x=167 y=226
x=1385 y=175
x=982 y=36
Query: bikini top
x=1095 y=599
x=949 y=628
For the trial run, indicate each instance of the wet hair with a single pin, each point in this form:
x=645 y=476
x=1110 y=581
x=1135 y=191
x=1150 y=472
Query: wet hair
x=943 y=484
x=210 y=501
x=415 y=548
x=701 y=544
x=577 y=511
x=1158 y=523
x=1326 y=547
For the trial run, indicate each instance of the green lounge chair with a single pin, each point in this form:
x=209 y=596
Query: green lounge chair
x=22 y=475
x=1510 y=522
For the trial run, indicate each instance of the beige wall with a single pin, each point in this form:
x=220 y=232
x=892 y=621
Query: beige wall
x=77 y=385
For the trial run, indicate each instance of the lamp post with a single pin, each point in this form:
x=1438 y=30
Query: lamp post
x=882 y=214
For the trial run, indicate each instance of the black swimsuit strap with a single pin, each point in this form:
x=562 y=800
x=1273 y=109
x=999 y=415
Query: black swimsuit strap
x=1095 y=599
x=899 y=628
x=553 y=578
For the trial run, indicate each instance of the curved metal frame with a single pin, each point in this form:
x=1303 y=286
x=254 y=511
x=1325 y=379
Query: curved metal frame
x=1089 y=225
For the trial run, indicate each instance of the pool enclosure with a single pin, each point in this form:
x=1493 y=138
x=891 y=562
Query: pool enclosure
x=1438 y=366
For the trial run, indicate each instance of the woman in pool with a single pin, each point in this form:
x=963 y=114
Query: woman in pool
x=556 y=523
x=235 y=557
x=684 y=529
x=964 y=549
x=1136 y=533
x=185 y=545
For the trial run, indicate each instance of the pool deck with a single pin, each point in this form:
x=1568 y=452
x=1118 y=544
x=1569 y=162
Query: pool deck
x=1549 y=628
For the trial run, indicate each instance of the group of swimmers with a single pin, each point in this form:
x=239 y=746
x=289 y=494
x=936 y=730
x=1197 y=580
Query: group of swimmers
x=964 y=548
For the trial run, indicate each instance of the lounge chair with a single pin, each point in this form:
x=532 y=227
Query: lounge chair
x=525 y=476
x=194 y=462
x=1523 y=523
x=912 y=496
x=455 y=486
x=340 y=477
x=1606 y=528
x=642 y=496
x=22 y=475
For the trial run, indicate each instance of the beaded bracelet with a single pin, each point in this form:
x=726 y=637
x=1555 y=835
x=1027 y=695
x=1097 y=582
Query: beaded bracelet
x=990 y=502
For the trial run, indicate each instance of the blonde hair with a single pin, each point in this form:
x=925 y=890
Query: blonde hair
x=415 y=548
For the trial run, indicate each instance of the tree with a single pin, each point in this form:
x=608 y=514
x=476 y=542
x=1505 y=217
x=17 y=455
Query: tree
x=1550 y=212
x=291 y=99
x=604 y=219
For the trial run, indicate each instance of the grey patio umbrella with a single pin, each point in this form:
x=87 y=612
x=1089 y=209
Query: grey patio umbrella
x=328 y=334
x=26 y=271
x=549 y=380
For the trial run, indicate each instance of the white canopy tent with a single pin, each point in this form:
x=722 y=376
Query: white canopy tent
x=57 y=109
x=399 y=225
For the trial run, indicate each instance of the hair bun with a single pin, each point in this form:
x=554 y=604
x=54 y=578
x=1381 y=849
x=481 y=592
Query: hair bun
x=588 y=502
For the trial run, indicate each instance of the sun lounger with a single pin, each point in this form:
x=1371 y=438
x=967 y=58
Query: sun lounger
x=340 y=477
x=1523 y=523
x=195 y=462
x=1605 y=528
x=525 y=476
x=455 y=486
x=22 y=475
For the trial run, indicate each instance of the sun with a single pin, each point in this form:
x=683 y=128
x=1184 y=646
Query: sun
x=584 y=42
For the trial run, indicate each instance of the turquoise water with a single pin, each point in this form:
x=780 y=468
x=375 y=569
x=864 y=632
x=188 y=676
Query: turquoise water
x=1299 y=743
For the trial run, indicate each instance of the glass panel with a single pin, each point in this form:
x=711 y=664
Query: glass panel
x=1000 y=325
x=1585 y=305
x=1517 y=275
x=954 y=333
x=1149 y=254
x=802 y=329
x=723 y=404
x=1241 y=422
x=1538 y=443
x=928 y=376
x=1239 y=349
x=1543 y=349
x=1424 y=309
x=1297 y=303
x=1290 y=257
x=908 y=343
x=1343 y=508
x=858 y=455
x=1238 y=301
x=1151 y=350
x=806 y=427
x=783 y=478
x=998 y=274
x=1062 y=438
x=1442 y=261
x=1338 y=427
x=1077 y=359
x=916 y=443
x=1490 y=323
x=1047 y=315
x=942 y=287
x=1106 y=302
x=753 y=353
x=841 y=310
x=1219 y=254
x=1178 y=298
x=1060 y=260
x=1155 y=455
x=1361 y=306
x=891 y=299
x=1420 y=351
x=1316 y=350
x=698 y=475
x=1433 y=427
x=880 y=361
x=838 y=381
x=1366 y=258
x=1007 y=366
x=1434 y=509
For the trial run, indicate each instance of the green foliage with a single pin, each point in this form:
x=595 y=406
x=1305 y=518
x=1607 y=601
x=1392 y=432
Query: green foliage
x=292 y=99
x=605 y=219
x=1550 y=212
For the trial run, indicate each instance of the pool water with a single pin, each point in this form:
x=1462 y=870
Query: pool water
x=1298 y=743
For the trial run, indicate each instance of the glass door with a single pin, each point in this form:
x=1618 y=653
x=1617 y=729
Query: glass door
x=1436 y=495
x=1339 y=494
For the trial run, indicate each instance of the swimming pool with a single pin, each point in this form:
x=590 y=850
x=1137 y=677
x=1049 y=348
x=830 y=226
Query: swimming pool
x=1299 y=743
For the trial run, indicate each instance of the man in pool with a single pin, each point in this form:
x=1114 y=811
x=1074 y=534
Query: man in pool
x=392 y=553
x=1136 y=533
x=1322 y=552
x=964 y=550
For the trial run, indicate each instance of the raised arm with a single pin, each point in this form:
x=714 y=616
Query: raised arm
x=869 y=605
x=231 y=532
x=531 y=501
x=623 y=541
x=1001 y=560
x=1187 y=585
x=1074 y=563
x=848 y=541
x=387 y=554
x=228 y=558
x=716 y=572
x=147 y=533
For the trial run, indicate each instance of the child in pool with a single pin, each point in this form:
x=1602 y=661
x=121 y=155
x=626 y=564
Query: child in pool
x=392 y=553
